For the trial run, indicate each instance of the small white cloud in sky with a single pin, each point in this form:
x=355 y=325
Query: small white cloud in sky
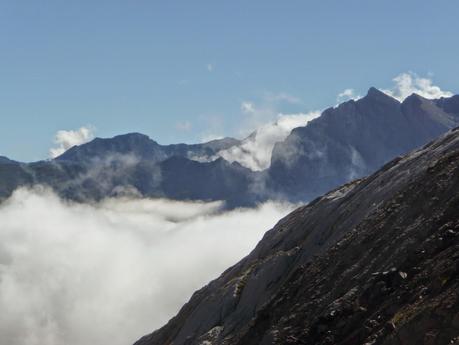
x=247 y=107
x=210 y=67
x=409 y=83
x=66 y=139
x=347 y=94
x=183 y=126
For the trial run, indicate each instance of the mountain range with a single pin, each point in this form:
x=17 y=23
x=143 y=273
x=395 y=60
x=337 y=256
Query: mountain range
x=346 y=142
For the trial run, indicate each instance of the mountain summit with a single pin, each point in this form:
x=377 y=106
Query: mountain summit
x=353 y=140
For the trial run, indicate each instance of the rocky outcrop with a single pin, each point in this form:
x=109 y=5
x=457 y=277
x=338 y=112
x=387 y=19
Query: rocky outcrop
x=374 y=261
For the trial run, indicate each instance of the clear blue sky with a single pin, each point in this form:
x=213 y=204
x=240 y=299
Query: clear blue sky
x=143 y=66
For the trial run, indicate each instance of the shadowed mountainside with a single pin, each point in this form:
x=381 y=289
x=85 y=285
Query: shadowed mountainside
x=374 y=261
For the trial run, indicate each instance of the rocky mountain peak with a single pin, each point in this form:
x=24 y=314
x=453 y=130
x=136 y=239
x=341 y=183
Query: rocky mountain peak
x=376 y=95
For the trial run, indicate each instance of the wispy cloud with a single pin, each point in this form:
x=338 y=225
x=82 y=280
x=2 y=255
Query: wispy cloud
x=183 y=126
x=76 y=273
x=66 y=139
x=347 y=94
x=406 y=84
x=247 y=107
x=265 y=110
x=255 y=151
x=210 y=67
x=263 y=125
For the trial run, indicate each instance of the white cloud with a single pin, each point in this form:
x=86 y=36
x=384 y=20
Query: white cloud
x=263 y=126
x=254 y=152
x=409 y=83
x=183 y=126
x=264 y=111
x=257 y=115
x=247 y=107
x=210 y=67
x=76 y=274
x=347 y=94
x=66 y=139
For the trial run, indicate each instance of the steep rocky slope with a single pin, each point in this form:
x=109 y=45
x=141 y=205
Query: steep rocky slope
x=375 y=261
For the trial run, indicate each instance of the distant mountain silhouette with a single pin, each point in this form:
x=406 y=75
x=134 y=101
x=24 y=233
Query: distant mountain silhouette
x=344 y=143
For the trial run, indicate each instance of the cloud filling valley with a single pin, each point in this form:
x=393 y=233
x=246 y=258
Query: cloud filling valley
x=112 y=271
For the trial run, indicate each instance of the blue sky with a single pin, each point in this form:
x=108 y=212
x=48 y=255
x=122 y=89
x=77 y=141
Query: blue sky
x=180 y=71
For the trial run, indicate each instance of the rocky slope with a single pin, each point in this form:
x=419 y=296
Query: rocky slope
x=375 y=261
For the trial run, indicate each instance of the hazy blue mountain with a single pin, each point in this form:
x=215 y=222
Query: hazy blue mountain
x=344 y=143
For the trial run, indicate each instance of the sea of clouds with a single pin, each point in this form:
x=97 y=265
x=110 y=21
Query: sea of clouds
x=110 y=272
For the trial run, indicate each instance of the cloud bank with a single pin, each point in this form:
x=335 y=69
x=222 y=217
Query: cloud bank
x=79 y=274
x=66 y=139
x=409 y=83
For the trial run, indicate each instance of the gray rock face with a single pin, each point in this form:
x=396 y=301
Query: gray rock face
x=353 y=140
x=374 y=261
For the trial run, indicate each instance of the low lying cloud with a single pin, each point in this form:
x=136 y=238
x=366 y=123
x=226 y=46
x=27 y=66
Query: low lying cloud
x=66 y=139
x=78 y=274
x=255 y=151
x=409 y=83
